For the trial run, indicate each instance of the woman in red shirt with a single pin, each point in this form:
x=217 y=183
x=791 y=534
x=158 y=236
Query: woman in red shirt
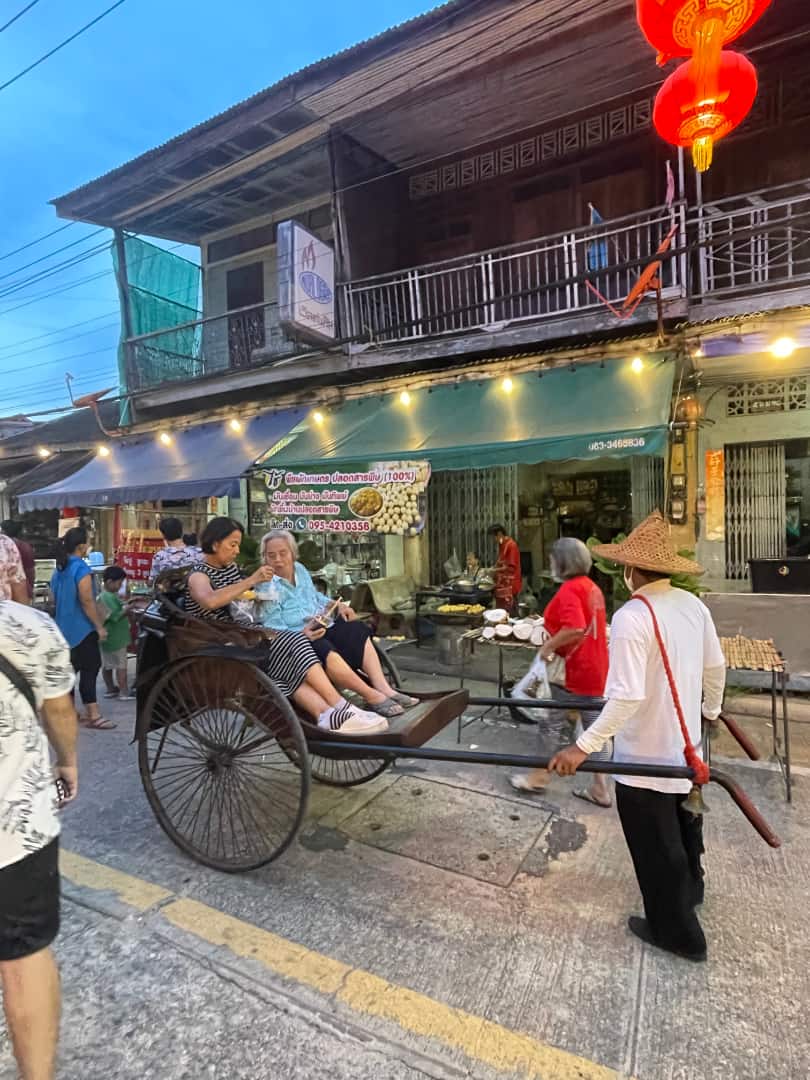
x=577 y=623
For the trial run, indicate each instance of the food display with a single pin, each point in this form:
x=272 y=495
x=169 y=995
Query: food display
x=488 y=633
x=503 y=631
x=495 y=616
x=366 y=502
x=460 y=609
x=522 y=630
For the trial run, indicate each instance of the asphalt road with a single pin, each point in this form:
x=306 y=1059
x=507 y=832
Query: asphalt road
x=432 y=923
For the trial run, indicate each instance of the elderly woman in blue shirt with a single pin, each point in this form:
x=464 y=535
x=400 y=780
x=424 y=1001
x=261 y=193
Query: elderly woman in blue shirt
x=290 y=601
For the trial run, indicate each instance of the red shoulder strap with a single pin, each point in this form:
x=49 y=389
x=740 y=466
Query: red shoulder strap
x=698 y=766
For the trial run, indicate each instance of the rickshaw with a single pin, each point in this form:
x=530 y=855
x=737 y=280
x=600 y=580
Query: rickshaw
x=227 y=762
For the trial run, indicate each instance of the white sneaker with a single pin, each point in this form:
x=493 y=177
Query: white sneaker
x=349 y=720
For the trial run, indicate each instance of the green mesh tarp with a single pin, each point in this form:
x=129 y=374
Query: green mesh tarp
x=163 y=291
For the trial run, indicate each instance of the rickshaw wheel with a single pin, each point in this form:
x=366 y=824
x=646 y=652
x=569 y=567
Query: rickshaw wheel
x=350 y=772
x=346 y=772
x=215 y=751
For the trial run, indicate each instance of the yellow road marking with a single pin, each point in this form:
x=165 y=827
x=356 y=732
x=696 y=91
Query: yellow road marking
x=92 y=875
x=363 y=992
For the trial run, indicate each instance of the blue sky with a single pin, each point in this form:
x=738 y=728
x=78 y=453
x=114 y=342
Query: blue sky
x=149 y=70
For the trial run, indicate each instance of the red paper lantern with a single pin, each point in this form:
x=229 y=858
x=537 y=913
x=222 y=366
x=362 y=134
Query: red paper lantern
x=683 y=115
x=680 y=27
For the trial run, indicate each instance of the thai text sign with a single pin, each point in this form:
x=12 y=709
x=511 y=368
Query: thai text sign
x=306 y=283
x=715 y=495
x=384 y=497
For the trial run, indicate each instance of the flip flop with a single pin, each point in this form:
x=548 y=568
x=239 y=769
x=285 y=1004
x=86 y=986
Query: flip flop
x=405 y=700
x=388 y=708
x=521 y=783
x=98 y=723
x=585 y=795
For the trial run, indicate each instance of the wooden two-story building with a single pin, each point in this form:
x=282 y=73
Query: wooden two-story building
x=489 y=182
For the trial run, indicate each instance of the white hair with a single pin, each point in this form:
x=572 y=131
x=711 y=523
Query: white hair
x=571 y=557
x=280 y=534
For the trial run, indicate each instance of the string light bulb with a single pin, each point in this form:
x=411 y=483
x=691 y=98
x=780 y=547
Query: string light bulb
x=404 y=398
x=637 y=365
x=318 y=417
x=165 y=438
x=103 y=451
x=507 y=385
x=782 y=348
x=235 y=425
x=43 y=452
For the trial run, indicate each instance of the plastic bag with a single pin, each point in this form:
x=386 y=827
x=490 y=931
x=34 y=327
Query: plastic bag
x=534 y=684
x=452 y=567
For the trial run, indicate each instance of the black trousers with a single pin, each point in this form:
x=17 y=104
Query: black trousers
x=666 y=844
x=86 y=660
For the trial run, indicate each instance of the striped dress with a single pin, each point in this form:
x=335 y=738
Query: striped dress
x=289 y=657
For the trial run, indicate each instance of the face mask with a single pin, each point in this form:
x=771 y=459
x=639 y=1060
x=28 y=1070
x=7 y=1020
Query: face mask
x=628 y=581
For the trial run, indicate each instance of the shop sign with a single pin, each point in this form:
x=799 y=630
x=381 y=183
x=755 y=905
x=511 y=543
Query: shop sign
x=715 y=487
x=136 y=560
x=306 y=283
x=384 y=497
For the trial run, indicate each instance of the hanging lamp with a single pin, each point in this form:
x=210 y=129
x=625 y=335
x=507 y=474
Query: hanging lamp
x=690 y=113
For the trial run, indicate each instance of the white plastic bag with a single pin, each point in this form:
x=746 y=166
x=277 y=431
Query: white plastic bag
x=534 y=684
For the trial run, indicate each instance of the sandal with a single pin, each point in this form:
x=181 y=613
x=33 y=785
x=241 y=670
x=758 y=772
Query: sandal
x=405 y=700
x=586 y=796
x=388 y=708
x=521 y=783
x=98 y=723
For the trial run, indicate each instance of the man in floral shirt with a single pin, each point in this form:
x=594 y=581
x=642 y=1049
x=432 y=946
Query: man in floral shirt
x=13 y=584
x=36 y=707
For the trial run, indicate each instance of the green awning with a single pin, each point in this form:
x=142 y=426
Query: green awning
x=588 y=413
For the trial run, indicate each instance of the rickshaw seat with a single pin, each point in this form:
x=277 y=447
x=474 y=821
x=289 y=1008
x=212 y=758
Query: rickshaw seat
x=415 y=727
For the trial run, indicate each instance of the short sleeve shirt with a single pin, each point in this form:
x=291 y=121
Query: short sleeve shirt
x=169 y=558
x=580 y=605
x=11 y=567
x=34 y=645
x=70 y=615
x=116 y=622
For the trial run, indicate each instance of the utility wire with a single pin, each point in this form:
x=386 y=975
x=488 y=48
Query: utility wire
x=50 y=255
x=61 y=45
x=19 y=15
x=39 y=239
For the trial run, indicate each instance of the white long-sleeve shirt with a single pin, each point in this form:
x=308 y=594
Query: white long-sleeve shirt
x=640 y=713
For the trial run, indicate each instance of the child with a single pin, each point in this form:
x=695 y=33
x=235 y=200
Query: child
x=113 y=612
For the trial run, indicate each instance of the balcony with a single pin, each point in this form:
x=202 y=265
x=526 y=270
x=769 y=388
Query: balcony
x=754 y=243
x=744 y=253
x=562 y=275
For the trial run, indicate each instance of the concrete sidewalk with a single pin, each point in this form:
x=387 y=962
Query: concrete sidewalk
x=431 y=923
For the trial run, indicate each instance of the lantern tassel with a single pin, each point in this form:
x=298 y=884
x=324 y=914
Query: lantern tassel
x=702 y=152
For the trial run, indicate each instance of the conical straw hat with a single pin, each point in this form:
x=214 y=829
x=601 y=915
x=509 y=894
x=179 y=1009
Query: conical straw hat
x=649 y=547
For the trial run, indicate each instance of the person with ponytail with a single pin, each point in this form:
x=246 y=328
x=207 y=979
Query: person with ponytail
x=77 y=618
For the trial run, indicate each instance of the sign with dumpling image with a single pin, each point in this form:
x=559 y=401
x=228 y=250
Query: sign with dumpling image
x=382 y=497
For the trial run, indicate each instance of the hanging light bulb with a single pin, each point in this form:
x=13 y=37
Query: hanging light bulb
x=507 y=385
x=103 y=451
x=637 y=365
x=318 y=417
x=165 y=438
x=235 y=424
x=404 y=398
x=782 y=348
x=43 y=452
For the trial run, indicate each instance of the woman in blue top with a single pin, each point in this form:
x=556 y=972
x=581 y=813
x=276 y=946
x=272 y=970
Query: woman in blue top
x=77 y=618
x=289 y=601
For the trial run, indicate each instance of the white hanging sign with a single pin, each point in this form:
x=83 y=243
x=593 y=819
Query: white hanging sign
x=306 y=283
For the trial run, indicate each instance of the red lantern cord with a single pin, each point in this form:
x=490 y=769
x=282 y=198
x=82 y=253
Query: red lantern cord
x=686 y=115
x=681 y=27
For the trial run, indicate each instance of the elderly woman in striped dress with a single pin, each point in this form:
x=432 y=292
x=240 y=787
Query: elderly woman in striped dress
x=216 y=582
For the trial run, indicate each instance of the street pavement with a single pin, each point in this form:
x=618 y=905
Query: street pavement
x=433 y=923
